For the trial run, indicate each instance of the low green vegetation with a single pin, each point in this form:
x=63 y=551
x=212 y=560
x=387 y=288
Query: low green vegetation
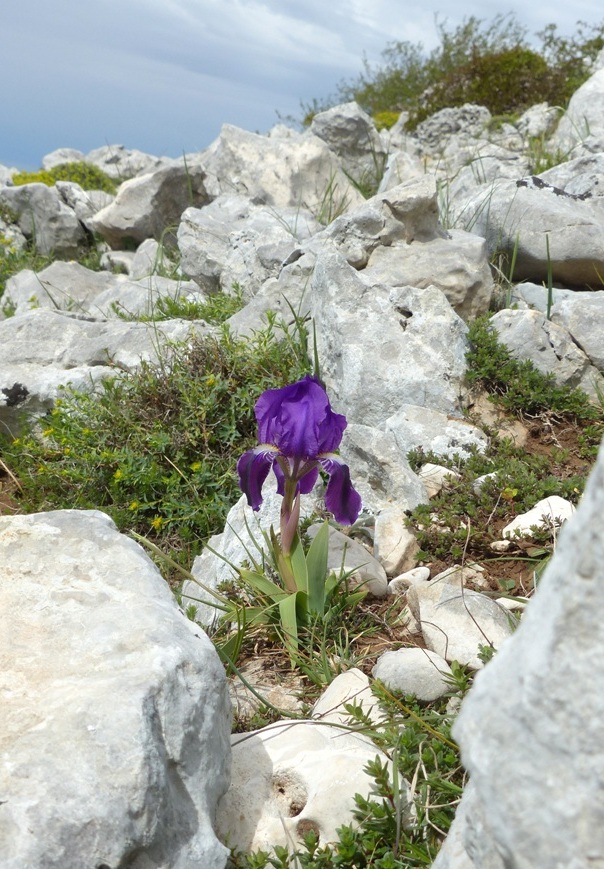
x=89 y=177
x=493 y=64
x=464 y=520
x=157 y=449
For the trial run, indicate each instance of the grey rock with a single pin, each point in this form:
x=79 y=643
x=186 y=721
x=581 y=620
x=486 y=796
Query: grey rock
x=44 y=218
x=379 y=470
x=457 y=265
x=582 y=315
x=431 y=431
x=6 y=175
x=583 y=116
x=469 y=120
x=122 y=163
x=349 y=556
x=583 y=176
x=401 y=167
x=539 y=120
x=85 y=203
x=232 y=241
x=61 y=286
x=456 y=621
x=43 y=351
x=133 y=299
x=60 y=156
x=351 y=134
x=148 y=205
x=414 y=671
x=529 y=335
x=115 y=717
x=285 y=296
x=524 y=215
x=395 y=546
x=299 y=172
x=241 y=541
x=382 y=348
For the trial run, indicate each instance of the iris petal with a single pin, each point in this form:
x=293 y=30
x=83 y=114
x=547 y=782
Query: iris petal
x=253 y=468
x=341 y=498
x=301 y=416
x=280 y=478
x=308 y=481
x=298 y=419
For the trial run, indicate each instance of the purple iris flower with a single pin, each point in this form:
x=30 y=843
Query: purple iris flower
x=298 y=432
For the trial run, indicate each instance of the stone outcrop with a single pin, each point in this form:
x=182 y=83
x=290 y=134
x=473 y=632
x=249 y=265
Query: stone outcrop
x=115 y=719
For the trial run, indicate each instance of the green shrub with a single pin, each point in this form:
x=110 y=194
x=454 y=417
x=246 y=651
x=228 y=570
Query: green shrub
x=89 y=177
x=493 y=64
x=508 y=81
x=385 y=120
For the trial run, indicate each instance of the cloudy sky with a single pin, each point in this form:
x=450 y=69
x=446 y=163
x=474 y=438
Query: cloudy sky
x=164 y=75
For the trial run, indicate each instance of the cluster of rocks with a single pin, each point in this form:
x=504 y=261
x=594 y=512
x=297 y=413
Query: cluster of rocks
x=98 y=662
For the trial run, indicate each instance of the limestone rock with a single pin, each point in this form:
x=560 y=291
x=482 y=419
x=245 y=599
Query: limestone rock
x=351 y=688
x=122 y=163
x=436 y=478
x=529 y=335
x=414 y=671
x=383 y=348
x=583 y=117
x=395 y=546
x=457 y=621
x=297 y=172
x=114 y=722
x=524 y=215
x=456 y=265
x=290 y=778
x=379 y=470
x=149 y=204
x=44 y=218
x=231 y=240
x=43 y=351
x=60 y=156
x=61 y=286
x=349 y=555
x=351 y=134
x=548 y=514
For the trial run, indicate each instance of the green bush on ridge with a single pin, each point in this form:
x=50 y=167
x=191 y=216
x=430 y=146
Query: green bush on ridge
x=89 y=177
x=492 y=64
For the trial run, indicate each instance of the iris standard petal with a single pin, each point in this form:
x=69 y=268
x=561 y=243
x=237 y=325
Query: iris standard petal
x=331 y=430
x=301 y=417
x=267 y=410
x=253 y=468
x=341 y=498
